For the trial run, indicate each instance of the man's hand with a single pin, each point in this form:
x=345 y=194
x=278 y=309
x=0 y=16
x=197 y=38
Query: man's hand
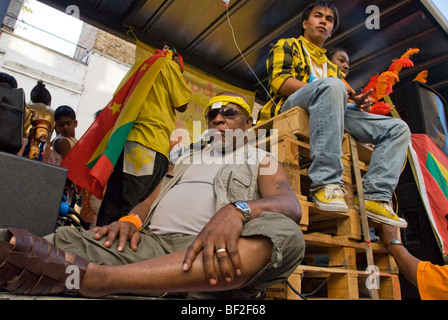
x=222 y=232
x=361 y=100
x=126 y=231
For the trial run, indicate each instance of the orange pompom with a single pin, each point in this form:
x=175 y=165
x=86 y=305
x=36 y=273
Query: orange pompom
x=381 y=108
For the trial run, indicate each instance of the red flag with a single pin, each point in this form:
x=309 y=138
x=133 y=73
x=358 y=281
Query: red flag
x=91 y=161
x=431 y=168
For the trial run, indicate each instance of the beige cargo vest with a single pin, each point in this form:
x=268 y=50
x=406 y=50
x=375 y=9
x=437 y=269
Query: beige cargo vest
x=233 y=182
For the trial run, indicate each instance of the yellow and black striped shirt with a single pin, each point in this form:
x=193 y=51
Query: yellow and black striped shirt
x=287 y=59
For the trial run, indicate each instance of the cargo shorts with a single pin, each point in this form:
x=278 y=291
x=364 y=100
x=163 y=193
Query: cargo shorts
x=287 y=252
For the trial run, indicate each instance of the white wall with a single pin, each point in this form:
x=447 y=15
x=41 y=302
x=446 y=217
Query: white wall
x=29 y=62
x=86 y=88
x=102 y=78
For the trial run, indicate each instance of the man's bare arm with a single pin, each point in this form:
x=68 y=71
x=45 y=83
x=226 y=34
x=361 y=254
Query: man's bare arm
x=276 y=192
x=406 y=262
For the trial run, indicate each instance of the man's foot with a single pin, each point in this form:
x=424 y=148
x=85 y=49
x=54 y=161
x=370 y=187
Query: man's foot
x=330 y=198
x=382 y=211
x=30 y=265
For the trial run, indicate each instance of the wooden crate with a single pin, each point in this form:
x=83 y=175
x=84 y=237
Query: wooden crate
x=285 y=147
x=340 y=264
x=335 y=254
x=305 y=157
x=333 y=283
x=294 y=174
x=294 y=121
x=342 y=276
x=345 y=253
x=291 y=146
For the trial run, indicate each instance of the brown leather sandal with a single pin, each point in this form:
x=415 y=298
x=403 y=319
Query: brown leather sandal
x=33 y=266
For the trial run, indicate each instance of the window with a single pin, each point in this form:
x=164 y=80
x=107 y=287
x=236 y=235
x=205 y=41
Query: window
x=48 y=27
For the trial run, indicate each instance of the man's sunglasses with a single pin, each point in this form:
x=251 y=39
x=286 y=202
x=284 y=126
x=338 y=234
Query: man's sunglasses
x=226 y=112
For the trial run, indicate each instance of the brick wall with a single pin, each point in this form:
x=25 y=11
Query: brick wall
x=86 y=41
x=115 y=47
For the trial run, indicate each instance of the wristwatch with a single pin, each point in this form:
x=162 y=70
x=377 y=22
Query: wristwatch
x=244 y=208
x=393 y=243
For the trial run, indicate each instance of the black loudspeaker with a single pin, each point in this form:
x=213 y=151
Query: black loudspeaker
x=30 y=193
x=424 y=110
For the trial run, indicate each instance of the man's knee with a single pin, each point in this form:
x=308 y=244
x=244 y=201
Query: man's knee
x=401 y=129
x=334 y=84
x=65 y=235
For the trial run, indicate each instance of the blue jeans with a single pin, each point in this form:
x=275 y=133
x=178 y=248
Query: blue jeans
x=326 y=102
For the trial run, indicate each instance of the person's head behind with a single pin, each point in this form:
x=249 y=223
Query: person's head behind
x=40 y=94
x=340 y=58
x=65 y=118
x=6 y=78
x=320 y=14
x=229 y=117
x=165 y=46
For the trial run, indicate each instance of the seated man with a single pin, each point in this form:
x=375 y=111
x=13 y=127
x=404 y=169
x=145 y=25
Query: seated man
x=301 y=75
x=223 y=225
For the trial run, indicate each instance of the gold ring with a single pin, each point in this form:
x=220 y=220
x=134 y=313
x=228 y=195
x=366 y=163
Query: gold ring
x=221 y=250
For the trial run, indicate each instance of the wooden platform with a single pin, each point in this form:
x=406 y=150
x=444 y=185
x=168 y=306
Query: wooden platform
x=335 y=265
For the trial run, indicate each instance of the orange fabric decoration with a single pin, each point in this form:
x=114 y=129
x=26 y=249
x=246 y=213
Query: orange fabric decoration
x=410 y=53
x=399 y=64
x=422 y=76
x=386 y=81
x=382 y=84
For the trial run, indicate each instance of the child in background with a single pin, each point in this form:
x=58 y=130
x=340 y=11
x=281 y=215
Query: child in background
x=65 y=118
x=65 y=124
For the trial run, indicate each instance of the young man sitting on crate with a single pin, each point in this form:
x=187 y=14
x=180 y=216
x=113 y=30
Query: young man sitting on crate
x=224 y=225
x=301 y=75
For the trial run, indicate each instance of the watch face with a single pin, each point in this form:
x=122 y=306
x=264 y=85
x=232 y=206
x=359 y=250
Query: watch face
x=242 y=205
